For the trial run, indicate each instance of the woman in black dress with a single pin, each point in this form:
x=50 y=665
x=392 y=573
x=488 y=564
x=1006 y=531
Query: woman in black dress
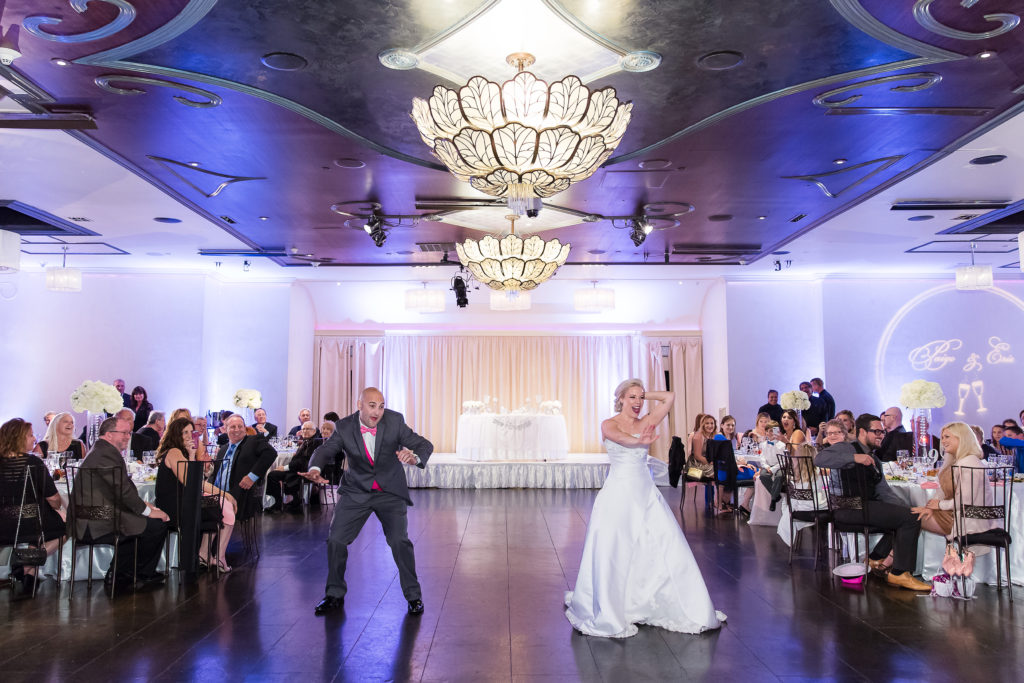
x=176 y=447
x=60 y=438
x=142 y=407
x=16 y=440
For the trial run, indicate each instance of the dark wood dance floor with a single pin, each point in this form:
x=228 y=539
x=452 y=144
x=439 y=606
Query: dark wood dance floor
x=494 y=565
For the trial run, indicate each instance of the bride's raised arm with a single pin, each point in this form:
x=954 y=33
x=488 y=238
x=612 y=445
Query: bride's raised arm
x=613 y=432
x=664 y=399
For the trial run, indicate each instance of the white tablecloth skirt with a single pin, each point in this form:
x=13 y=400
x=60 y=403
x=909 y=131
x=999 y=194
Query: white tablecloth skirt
x=511 y=437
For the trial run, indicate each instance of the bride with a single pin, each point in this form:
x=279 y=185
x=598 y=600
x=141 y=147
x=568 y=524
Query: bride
x=637 y=567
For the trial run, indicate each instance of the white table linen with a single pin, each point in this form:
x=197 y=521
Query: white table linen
x=515 y=436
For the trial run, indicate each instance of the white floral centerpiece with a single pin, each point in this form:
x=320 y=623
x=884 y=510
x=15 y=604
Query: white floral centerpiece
x=794 y=400
x=96 y=397
x=248 y=398
x=551 y=408
x=922 y=394
x=472 y=407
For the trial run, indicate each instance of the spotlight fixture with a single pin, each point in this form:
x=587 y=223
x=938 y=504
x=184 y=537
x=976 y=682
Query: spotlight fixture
x=246 y=265
x=641 y=229
x=459 y=287
x=375 y=229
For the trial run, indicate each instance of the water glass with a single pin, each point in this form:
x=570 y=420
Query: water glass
x=149 y=458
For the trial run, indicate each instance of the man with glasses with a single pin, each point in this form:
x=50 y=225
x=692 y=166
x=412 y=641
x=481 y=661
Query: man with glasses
x=141 y=525
x=884 y=509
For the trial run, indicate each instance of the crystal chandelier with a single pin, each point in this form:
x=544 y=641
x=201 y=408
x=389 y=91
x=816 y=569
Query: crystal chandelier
x=523 y=139
x=512 y=263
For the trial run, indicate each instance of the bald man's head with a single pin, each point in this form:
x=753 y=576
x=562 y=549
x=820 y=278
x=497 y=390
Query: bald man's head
x=371 y=406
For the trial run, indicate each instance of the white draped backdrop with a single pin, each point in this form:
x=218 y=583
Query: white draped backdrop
x=428 y=377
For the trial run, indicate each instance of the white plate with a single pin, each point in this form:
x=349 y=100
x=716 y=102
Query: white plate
x=850 y=570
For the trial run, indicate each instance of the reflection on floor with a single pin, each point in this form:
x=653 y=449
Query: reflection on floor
x=494 y=564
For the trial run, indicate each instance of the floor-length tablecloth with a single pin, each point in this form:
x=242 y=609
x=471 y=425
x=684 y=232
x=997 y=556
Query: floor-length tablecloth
x=514 y=436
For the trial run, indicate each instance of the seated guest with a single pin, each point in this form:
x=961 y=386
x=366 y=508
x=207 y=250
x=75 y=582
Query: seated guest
x=176 y=447
x=1008 y=422
x=846 y=417
x=772 y=407
x=802 y=462
x=262 y=427
x=961 y=449
x=760 y=431
x=148 y=438
x=703 y=431
x=327 y=429
x=790 y=433
x=305 y=415
x=884 y=509
x=181 y=412
x=331 y=416
x=16 y=440
x=285 y=481
x=997 y=434
x=728 y=431
x=60 y=438
x=48 y=416
x=222 y=430
x=1013 y=439
x=203 y=438
x=141 y=406
x=141 y=524
x=986 y=450
x=731 y=469
x=242 y=462
x=897 y=438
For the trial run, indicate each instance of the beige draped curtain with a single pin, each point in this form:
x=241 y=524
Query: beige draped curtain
x=682 y=358
x=428 y=377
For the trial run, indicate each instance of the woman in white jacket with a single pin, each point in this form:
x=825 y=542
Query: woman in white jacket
x=961 y=449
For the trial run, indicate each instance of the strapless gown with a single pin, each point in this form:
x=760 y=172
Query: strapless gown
x=637 y=567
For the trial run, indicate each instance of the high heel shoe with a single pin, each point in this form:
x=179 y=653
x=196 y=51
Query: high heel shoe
x=222 y=567
x=204 y=565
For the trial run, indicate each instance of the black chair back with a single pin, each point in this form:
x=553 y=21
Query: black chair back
x=721 y=454
x=20 y=488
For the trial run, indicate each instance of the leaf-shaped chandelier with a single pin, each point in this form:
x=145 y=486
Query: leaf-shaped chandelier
x=522 y=139
x=512 y=263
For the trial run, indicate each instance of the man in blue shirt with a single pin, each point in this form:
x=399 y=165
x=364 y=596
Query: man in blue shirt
x=1014 y=438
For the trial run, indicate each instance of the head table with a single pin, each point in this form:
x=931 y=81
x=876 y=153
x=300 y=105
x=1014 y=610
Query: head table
x=511 y=436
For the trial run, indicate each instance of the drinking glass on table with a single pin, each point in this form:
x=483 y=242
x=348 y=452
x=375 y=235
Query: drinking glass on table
x=149 y=458
x=903 y=459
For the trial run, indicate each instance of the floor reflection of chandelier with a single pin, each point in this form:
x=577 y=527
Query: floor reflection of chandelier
x=523 y=139
x=512 y=263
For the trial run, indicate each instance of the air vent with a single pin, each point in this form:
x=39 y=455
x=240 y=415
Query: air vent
x=715 y=249
x=797 y=218
x=436 y=247
x=966 y=217
x=228 y=219
x=29 y=221
x=949 y=205
x=80 y=219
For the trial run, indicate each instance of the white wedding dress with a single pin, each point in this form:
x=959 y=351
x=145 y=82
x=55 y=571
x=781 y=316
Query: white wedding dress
x=637 y=567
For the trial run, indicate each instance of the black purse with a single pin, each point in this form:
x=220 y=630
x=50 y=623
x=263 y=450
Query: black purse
x=28 y=557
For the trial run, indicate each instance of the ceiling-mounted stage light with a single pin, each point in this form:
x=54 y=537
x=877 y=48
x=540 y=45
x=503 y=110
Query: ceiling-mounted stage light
x=641 y=229
x=375 y=229
x=459 y=287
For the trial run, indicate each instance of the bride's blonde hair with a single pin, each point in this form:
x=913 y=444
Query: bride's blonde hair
x=621 y=390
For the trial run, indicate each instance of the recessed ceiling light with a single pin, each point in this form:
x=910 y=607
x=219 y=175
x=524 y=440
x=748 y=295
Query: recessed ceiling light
x=779 y=253
x=720 y=60
x=839 y=162
x=194 y=164
x=640 y=61
x=987 y=54
x=60 y=61
x=761 y=218
x=349 y=163
x=264 y=218
x=720 y=217
x=166 y=219
x=596 y=252
x=398 y=58
x=284 y=61
x=923 y=217
x=988 y=159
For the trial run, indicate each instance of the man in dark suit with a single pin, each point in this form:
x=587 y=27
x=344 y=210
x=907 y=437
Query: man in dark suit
x=896 y=437
x=772 y=407
x=376 y=442
x=829 y=403
x=241 y=462
x=814 y=415
x=305 y=415
x=140 y=522
x=262 y=427
x=148 y=437
x=126 y=400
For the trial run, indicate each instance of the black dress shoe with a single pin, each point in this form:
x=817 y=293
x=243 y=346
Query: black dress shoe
x=415 y=607
x=328 y=604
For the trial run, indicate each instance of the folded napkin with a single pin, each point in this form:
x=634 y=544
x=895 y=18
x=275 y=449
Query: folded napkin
x=929 y=485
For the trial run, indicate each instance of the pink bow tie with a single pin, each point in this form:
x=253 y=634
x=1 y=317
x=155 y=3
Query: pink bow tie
x=364 y=430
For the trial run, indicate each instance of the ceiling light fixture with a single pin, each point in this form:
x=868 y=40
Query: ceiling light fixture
x=461 y=294
x=9 y=44
x=594 y=300
x=523 y=139
x=641 y=229
x=375 y=229
x=510 y=300
x=64 y=279
x=974 y=277
x=10 y=252
x=424 y=300
x=512 y=263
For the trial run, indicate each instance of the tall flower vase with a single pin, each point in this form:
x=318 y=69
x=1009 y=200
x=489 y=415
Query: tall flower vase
x=922 y=435
x=92 y=432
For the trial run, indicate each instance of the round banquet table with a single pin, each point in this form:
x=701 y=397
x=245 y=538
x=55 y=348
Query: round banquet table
x=514 y=436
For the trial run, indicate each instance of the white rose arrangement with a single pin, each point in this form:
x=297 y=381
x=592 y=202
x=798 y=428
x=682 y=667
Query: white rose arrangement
x=551 y=408
x=96 y=397
x=922 y=394
x=472 y=407
x=794 y=400
x=248 y=398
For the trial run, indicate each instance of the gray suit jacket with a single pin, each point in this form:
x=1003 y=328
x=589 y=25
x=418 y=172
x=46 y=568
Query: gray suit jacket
x=392 y=435
x=840 y=456
x=95 y=489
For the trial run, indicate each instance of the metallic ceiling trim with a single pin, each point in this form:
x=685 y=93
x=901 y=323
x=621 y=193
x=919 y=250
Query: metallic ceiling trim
x=104 y=82
x=768 y=97
x=69 y=228
x=189 y=16
x=114 y=251
x=164 y=161
x=984 y=219
x=62 y=121
x=856 y=15
x=125 y=16
x=923 y=15
x=883 y=163
x=584 y=30
x=902 y=111
x=929 y=79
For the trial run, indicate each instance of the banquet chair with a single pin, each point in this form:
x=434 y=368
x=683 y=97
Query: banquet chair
x=847 y=490
x=803 y=485
x=687 y=479
x=995 y=506
x=20 y=515
x=86 y=484
x=248 y=520
x=191 y=527
x=721 y=454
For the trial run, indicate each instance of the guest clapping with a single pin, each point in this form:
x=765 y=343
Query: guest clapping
x=60 y=438
x=262 y=427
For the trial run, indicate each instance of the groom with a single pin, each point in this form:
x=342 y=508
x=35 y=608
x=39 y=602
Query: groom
x=376 y=442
